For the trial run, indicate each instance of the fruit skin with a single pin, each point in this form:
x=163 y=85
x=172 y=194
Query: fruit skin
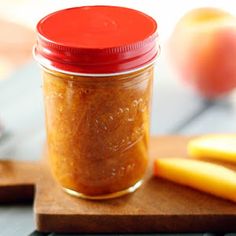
x=208 y=177
x=203 y=50
x=216 y=147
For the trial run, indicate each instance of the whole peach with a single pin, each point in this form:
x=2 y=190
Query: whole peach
x=202 y=47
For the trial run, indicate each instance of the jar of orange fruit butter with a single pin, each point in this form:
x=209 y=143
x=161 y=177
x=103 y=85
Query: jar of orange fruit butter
x=97 y=64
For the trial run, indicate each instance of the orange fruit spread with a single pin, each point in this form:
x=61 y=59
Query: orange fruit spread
x=98 y=129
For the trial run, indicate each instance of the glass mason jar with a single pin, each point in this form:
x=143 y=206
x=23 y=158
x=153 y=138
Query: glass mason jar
x=97 y=93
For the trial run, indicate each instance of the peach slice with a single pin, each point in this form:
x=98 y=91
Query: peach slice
x=208 y=177
x=219 y=147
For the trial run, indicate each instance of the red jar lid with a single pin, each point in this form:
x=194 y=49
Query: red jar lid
x=96 y=40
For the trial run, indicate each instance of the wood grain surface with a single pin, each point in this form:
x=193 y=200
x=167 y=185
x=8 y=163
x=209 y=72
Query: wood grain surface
x=158 y=206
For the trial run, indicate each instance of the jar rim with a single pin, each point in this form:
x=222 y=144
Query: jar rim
x=48 y=66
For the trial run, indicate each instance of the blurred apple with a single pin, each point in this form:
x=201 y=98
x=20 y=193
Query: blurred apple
x=202 y=47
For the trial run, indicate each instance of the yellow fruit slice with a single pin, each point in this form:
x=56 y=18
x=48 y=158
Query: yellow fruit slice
x=220 y=147
x=204 y=176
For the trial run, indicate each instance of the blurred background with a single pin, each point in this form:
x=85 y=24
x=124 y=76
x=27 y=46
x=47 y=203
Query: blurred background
x=186 y=99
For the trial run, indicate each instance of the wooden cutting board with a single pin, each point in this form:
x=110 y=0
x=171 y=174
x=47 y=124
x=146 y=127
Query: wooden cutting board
x=158 y=206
